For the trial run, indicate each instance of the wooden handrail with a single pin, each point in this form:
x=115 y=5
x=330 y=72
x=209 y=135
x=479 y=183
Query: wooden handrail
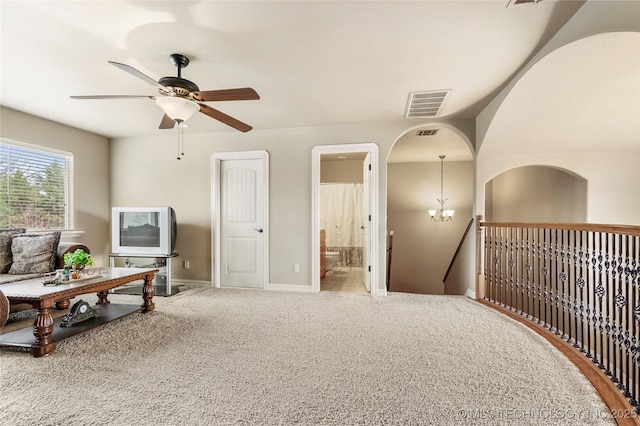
x=455 y=255
x=593 y=227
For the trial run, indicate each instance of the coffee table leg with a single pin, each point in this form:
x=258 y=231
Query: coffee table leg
x=147 y=294
x=102 y=298
x=63 y=304
x=42 y=329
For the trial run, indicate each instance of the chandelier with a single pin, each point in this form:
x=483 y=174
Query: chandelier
x=441 y=215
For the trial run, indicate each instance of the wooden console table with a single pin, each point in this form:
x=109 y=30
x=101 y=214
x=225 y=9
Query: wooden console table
x=47 y=331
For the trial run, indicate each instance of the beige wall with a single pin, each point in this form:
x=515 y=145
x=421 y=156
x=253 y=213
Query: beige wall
x=186 y=186
x=461 y=279
x=422 y=248
x=91 y=172
x=612 y=197
x=341 y=171
x=536 y=194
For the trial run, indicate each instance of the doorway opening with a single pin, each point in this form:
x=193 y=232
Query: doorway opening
x=342 y=214
x=423 y=248
x=344 y=218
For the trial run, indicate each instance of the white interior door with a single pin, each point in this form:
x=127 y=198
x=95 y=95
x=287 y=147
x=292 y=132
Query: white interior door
x=242 y=233
x=366 y=221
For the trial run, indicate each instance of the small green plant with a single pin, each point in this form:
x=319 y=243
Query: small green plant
x=78 y=258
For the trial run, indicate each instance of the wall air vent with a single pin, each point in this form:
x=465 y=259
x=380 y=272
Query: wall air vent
x=425 y=104
x=431 y=132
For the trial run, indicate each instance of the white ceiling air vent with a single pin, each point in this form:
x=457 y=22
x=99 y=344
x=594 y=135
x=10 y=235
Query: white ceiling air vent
x=431 y=132
x=425 y=104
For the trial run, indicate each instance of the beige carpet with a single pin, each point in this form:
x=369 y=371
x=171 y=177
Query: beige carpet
x=236 y=357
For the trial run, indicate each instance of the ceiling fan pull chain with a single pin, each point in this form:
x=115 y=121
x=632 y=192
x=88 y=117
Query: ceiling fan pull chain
x=181 y=125
x=179 y=139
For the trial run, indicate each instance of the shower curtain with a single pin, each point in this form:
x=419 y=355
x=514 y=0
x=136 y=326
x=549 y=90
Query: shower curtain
x=341 y=216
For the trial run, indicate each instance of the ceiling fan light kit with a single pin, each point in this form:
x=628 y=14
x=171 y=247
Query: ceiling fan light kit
x=178 y=109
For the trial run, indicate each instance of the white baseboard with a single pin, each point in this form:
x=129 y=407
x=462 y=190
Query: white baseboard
x=191 y=283
x=470 y=294
x=273 y=287
x=289 y=287
x=270 y=286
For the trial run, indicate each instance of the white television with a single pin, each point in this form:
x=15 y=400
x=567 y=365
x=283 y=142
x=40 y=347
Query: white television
x=143 y=230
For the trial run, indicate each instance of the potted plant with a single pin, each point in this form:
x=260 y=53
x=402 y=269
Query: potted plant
x=77 y=259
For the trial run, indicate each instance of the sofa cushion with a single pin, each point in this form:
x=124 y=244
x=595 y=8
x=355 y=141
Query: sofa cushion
x=34 y=253
x=7 y=278
x=5 y=247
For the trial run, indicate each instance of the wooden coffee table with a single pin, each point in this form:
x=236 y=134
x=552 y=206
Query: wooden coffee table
x=47 y=331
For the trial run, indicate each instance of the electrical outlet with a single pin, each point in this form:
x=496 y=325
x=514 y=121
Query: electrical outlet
x=296 y=268
x=185 y=264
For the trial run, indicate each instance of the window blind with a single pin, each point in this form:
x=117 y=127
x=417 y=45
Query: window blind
x=35 y=188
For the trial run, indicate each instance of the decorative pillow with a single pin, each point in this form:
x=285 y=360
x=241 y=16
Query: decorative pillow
x=5 y=247
x=34 y=254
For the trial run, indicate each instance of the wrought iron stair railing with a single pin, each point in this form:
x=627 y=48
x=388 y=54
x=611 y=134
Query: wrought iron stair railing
x=581 y=282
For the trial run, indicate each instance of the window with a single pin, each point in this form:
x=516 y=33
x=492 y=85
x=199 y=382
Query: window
x=35 y=187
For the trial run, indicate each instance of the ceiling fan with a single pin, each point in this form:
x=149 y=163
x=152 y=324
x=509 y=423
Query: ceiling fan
x=180 y=98
x=523 y=1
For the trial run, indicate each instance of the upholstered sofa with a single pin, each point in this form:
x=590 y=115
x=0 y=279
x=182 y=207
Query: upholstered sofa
x=62 y=248
x=24 y=256
x=4 y=309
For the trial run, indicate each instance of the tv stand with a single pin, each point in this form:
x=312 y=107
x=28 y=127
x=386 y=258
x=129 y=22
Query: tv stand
x=162 y=280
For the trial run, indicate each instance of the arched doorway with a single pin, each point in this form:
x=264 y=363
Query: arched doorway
x=422 y=248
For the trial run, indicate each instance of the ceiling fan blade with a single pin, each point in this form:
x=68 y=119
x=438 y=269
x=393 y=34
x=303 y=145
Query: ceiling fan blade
x=167 y=122
x=131 y=70
x=242 y=94
x=113 y=97
x=224 y=118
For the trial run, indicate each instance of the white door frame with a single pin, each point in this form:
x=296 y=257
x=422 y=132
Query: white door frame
x=366 y=180
x=216 y=160
x=317 y=151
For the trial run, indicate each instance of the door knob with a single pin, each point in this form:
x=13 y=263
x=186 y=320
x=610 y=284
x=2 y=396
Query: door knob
x=258 y=229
